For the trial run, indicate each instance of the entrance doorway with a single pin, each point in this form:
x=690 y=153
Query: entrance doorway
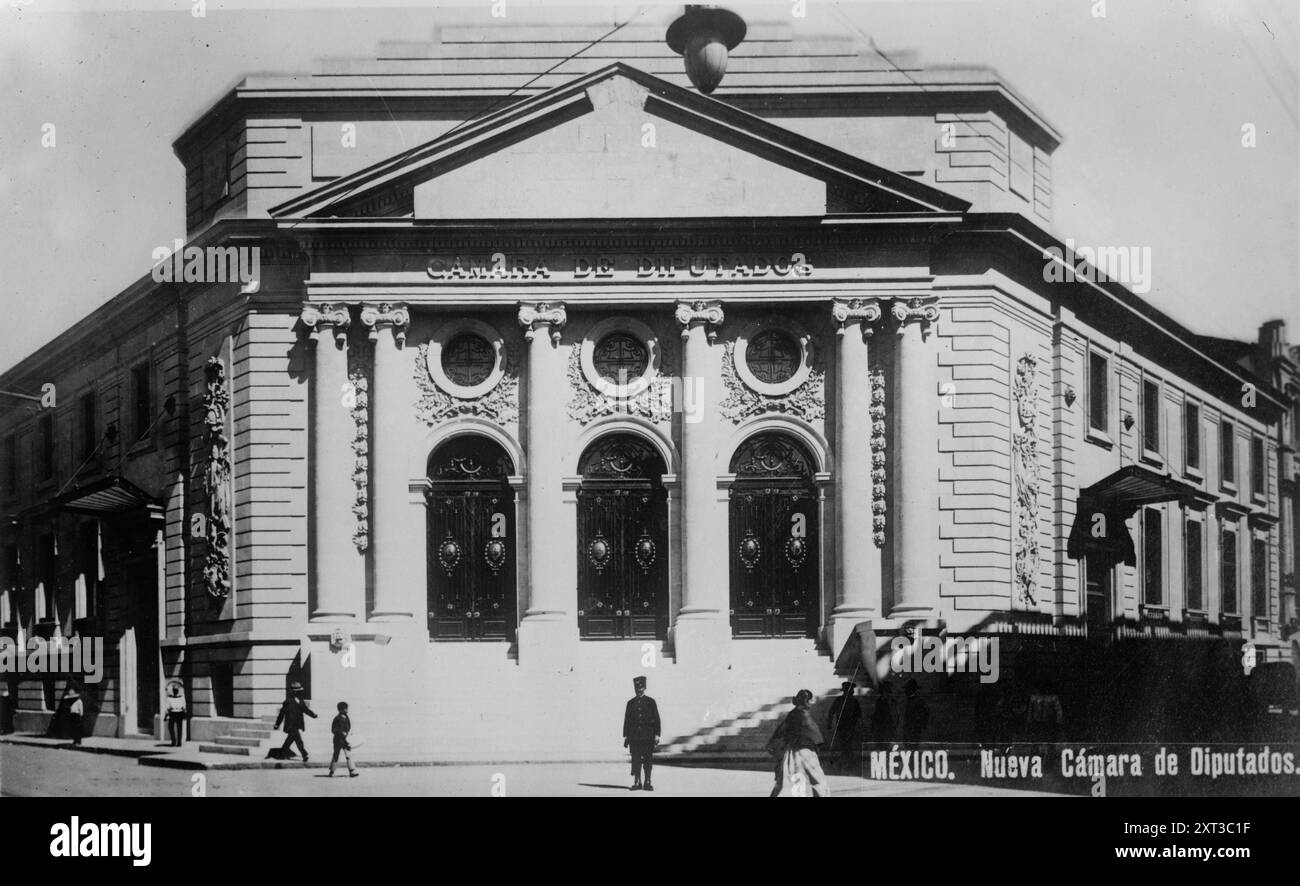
x=141 y=576
x=622 y=541
x=774 y=549
x=471 y=541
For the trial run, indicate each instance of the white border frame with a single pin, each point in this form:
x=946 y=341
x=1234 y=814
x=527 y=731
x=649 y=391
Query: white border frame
x=783 y=324
x=630 y=326
x=448 y=331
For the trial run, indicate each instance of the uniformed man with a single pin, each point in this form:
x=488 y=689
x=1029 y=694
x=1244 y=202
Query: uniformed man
x=641 y=733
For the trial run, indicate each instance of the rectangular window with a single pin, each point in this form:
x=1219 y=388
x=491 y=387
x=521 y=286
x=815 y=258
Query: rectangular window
x=45 y=445
x=1194 y=565
x=1228 y=570
x=1258 y=467
x=11 y=464
x=1150 y=416
x=1021 y=178
x=1192 y=436
x=1227 y=453
x=89 y=430
x=1152 y=557
x=1098 y=392
x=47 y=563
x=1259 y=577
x=141 y=399
x=88 y=554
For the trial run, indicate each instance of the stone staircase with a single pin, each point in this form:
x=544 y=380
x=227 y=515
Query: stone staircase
x=252 y=741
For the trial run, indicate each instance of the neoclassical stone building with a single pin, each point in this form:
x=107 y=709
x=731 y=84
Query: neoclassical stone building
x=541 y=388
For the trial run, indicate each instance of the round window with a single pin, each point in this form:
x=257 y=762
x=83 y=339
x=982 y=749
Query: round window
x=620 y=358
x=773 y=357
x=468 y=359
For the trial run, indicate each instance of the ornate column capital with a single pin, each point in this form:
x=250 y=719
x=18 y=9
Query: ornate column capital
x=534 y=316
x=920 y=309
x=849 y=310
x=706 y=312
x=387 y=314
x=317 y=316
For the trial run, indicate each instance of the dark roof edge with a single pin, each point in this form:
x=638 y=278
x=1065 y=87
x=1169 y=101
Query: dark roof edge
x=1031 y=235
x=124 y=301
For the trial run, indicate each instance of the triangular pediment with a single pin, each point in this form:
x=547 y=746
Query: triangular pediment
x=619 y=143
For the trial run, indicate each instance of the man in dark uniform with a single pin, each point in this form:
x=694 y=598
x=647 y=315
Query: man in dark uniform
x=842 y=726
x=292 y=714
x=641 y=733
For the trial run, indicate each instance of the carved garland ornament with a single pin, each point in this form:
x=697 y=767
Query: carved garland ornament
x=358 y=374
x=877 y=412
x=217 y=481
x=587 y=404
x=807 y=401
x=501 y=404
x=1024 y=469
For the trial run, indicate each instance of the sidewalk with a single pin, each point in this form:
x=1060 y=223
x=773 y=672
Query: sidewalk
x=147 y=750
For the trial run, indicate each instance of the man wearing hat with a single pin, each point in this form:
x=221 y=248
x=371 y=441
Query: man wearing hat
x=291 y=715
x=76 y=713
x=842 y=726
x=641 y=733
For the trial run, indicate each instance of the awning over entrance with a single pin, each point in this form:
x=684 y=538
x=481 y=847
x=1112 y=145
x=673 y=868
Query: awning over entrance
x=110 y=495
x=1100 y=532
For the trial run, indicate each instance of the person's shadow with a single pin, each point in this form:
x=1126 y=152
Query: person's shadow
x=608 y=787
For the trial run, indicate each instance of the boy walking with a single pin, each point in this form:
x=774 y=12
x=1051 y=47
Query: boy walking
x=341 y=726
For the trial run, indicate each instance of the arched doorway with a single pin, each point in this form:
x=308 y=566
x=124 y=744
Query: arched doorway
x=622 y=541
x=471 y=542
x=775 y=554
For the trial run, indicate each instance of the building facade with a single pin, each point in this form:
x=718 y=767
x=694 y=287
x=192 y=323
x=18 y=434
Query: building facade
x=605 y=377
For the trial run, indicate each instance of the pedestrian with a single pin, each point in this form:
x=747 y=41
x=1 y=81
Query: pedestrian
x=8 y=704
x=291 y=715
x=641 y=733
x=76 y=714
x=340 y=728
x=175 y=712
x=842 y=725
x=794 y=744
x=916 y=713
x=884 y=720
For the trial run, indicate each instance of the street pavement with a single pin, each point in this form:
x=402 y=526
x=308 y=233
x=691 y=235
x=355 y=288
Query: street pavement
x=61 y=772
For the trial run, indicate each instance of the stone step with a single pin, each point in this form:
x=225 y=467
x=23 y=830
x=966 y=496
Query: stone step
x=236 y=741
x=259 y=734
x=223 y=749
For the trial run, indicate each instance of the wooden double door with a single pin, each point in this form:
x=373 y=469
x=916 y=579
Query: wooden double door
x=774 y=540
x=622 y=541
x=471 y=542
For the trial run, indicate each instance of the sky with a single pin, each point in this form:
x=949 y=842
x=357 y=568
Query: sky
x=1151 y=99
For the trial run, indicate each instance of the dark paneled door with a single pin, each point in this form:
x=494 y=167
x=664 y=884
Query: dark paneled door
x=774 y=549
x=622 y=541
x=471 y=543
